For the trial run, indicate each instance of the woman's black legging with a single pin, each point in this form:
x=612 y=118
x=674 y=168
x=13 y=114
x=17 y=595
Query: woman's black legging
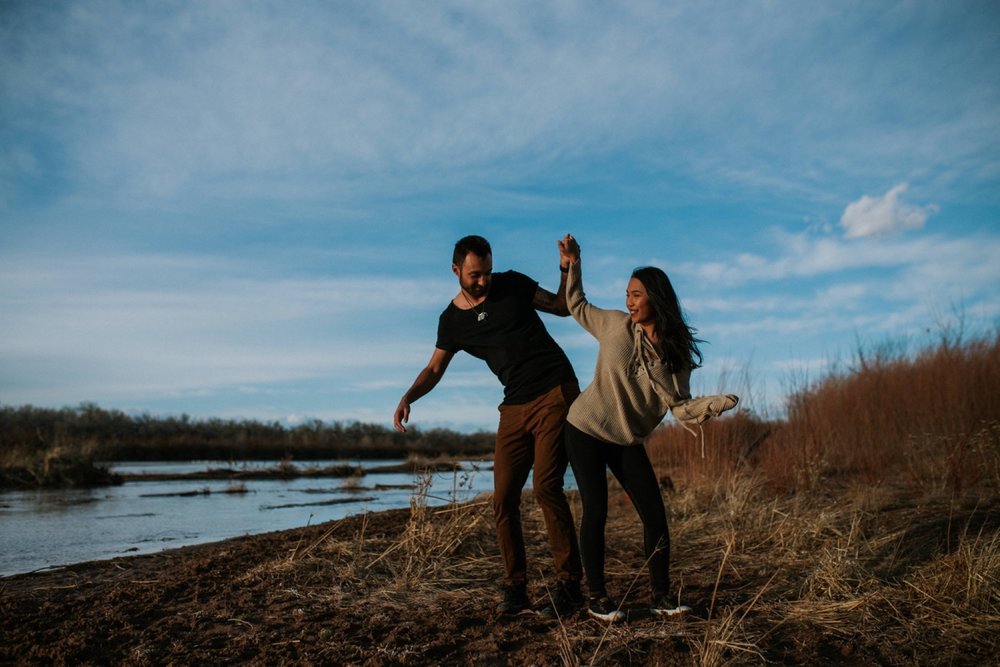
x=591 y=458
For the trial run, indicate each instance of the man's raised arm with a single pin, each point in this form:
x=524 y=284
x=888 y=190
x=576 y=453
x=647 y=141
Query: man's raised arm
x=546 y=301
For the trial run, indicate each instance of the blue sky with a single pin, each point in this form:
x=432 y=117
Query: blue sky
x=247 y=209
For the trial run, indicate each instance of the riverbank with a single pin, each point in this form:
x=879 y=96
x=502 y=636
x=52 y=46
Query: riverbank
x=58 y=470
x=289 y=470
x=857 y=575
x=173 y=504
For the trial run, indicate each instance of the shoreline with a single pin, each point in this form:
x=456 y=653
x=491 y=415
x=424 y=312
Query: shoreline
x=817 y=578
x=96 y=475
x=294 y=472
x=179 y=506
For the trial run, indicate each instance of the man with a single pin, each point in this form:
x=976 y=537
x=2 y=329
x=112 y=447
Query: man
x=494 y=318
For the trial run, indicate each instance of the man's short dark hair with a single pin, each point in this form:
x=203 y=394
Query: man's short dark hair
x=477 y=245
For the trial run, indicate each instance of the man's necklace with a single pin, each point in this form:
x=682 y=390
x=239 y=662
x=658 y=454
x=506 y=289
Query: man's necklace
x=480 y=316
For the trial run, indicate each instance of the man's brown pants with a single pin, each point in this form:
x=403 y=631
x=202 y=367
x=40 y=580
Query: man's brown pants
x=531 y=434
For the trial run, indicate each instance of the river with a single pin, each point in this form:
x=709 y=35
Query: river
x=42 y=529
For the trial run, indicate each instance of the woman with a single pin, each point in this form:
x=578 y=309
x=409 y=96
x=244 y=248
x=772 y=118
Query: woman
x=643 y=368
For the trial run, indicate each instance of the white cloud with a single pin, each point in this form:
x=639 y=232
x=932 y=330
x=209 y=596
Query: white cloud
x=814 y=366
x=828 y=286
x=360 y=107
x=453 y=379
x=881 y=216
x=224 y=93
x=142 y=325
x=840 y=296
x=228 y=98
x=967 y=261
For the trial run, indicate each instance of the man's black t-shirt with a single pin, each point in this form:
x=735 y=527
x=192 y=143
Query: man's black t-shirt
x=512 y=340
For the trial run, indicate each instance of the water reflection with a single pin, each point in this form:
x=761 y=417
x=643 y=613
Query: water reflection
x=44 y=501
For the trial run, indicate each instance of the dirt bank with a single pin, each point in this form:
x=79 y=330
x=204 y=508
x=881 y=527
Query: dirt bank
x=857 y=577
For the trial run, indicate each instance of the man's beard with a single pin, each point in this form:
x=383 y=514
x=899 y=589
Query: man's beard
x=477 y=291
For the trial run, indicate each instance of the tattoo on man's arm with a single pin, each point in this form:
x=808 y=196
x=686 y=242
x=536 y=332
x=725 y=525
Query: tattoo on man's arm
x=548 y=302
x=544 y=300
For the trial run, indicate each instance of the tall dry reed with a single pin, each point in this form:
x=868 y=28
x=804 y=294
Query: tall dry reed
x=933 y=415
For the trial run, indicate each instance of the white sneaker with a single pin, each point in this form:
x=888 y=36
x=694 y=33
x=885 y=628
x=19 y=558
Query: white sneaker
x=604 y=608
x=663 y=607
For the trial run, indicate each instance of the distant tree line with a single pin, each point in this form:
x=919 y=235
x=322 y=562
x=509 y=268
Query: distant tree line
x=112 y=435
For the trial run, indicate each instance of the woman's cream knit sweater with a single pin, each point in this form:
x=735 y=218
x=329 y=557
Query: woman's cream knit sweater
x=632 y=390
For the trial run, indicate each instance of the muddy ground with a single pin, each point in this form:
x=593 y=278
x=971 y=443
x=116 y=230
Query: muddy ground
x=419 y=587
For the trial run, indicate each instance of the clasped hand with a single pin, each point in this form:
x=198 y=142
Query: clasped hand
x=569 y=251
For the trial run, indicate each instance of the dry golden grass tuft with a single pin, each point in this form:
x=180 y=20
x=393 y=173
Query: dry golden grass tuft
x=424 y=553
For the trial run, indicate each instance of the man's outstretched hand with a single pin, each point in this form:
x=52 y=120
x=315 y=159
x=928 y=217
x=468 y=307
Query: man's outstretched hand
x=569 y=251
x=401 y=416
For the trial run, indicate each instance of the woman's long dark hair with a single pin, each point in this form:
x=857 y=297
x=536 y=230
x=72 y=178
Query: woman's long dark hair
x=677 y=340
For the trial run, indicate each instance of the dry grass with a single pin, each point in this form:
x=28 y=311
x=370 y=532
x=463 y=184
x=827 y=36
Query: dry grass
x=424 y=551
x=857 y=574
x=933 y=416
x=441 y=548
